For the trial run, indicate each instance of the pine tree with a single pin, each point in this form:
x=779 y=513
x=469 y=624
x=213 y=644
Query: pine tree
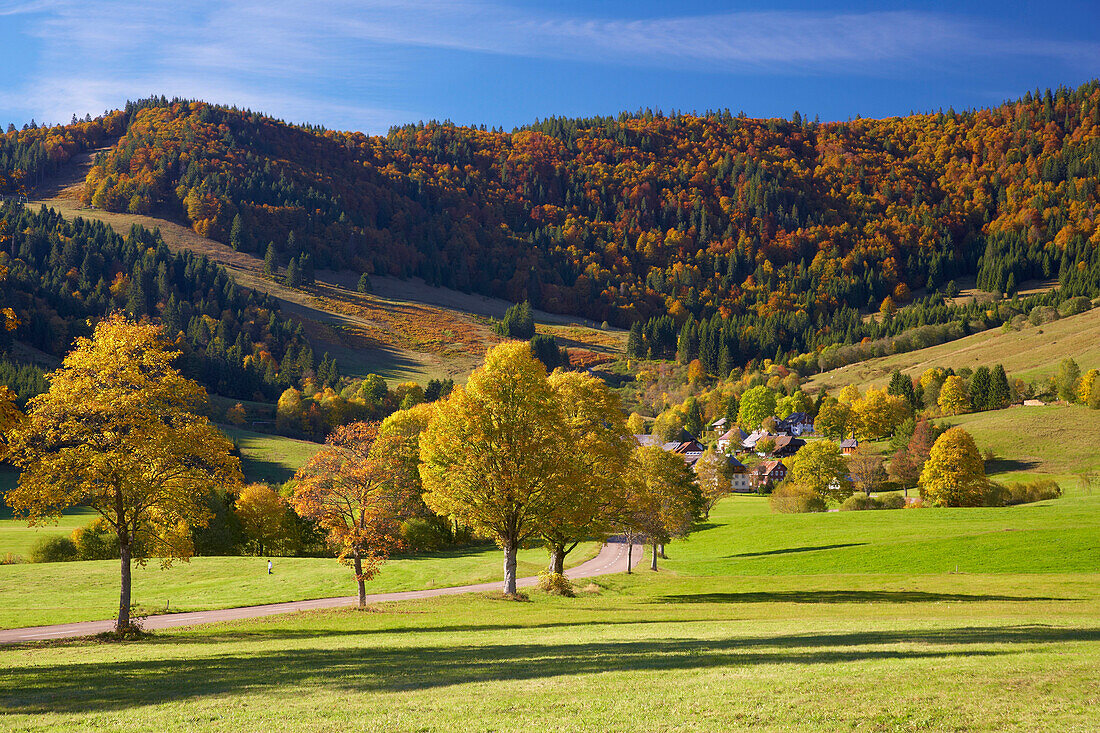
x=635 y=342
x=1000 y=394
x=364 y=283
x=236 y=234
x=902 y=386
x=293 y=273
x=980 y=389
x=270 y=262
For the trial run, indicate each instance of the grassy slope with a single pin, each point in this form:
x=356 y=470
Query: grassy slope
x=1032 y=352
x=746 y=643
x=270 y=458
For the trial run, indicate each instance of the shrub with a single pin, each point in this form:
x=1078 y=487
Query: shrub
x=555 y=583
x=54 y=549
x=95 y=541
x=892 y=501
x=10 y=558
x=859 y=502
x=795 y=499
x=1031 y=491
x=1073 y=306
x=423 y=535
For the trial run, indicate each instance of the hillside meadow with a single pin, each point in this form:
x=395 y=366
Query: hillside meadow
x=1033 y=352
x=850 y=621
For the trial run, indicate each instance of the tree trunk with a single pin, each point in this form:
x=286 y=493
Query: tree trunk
x=510 y=549
x=359 y=580
x=654 y=565
x=124 y=595
x=661 y=551
x=557 y=560
x=629 y=554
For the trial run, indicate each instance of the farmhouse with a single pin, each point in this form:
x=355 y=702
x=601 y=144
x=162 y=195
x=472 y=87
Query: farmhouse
x=739 y=476
x=767 y=472
x=785 y=446
x=735 y=436
x=749 y=443
x=796 y=424
x=719 y=425
x=684 y=444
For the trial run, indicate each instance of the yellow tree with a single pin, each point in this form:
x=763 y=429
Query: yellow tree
x=954 y=398
x=601 y=446
x=263 y=515
x=877 y=413
x=821 y=468
x=833 y=419
x=663 y=499
x=356 y=490
x=954 y=474
x=495 y=454
x=715 y=479
x=115 y=433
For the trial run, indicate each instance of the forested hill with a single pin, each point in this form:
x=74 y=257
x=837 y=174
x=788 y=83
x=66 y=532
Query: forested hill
x=782 y=229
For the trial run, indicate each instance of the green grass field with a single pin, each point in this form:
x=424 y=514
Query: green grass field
x=1031 y=353
x=823 y=622
x=53 y=593
x=269 y=458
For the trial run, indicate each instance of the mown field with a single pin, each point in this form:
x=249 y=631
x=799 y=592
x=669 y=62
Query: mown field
x=1031 y=353
x=852 y=621
x=54 y=593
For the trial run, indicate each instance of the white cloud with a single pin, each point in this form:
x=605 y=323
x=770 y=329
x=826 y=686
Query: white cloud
x=305 y=60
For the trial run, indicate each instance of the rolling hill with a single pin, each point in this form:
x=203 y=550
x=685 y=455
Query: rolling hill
x=1030 y=353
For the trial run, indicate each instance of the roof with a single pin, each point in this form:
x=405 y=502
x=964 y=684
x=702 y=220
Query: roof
x=798 y=417
x=734 y=433
x=719 y=423
x=647 y=440
x=849 y=443
x=766 y=468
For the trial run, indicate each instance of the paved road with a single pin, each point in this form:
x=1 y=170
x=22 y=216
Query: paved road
x=612 y=558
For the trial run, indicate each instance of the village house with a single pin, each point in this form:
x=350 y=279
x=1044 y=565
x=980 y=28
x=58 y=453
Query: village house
x=848 y=446
x=734 y=437
x=786 y=446
x=767 y=472
x=796 y=424
x=739 y=476
x=749 y=443
x=684 y=444
x=719 y=425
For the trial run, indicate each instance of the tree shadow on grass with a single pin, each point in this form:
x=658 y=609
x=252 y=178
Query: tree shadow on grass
x=1007 y=465
x=788 y=550
x=843 y=596
x=79 y=688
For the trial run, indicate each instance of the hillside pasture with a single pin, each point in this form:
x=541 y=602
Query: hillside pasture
x=1031 y=353
x=754 y=623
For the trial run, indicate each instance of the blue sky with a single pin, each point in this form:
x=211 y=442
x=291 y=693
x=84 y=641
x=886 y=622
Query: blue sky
x=369 y=64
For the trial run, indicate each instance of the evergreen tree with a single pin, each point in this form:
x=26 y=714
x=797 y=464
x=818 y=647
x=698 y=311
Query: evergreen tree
x=980 y=389
x=1000 y=394
x=635 y=342
x=270 y=262
x=236 y=234
x=364 y=283
x=293 y=273
x=902 y=386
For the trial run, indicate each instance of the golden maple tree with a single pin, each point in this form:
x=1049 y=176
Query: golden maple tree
x=495 y=454
x=601 y=446
x=116 y=433
x=954 y=474
x=263 y=515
